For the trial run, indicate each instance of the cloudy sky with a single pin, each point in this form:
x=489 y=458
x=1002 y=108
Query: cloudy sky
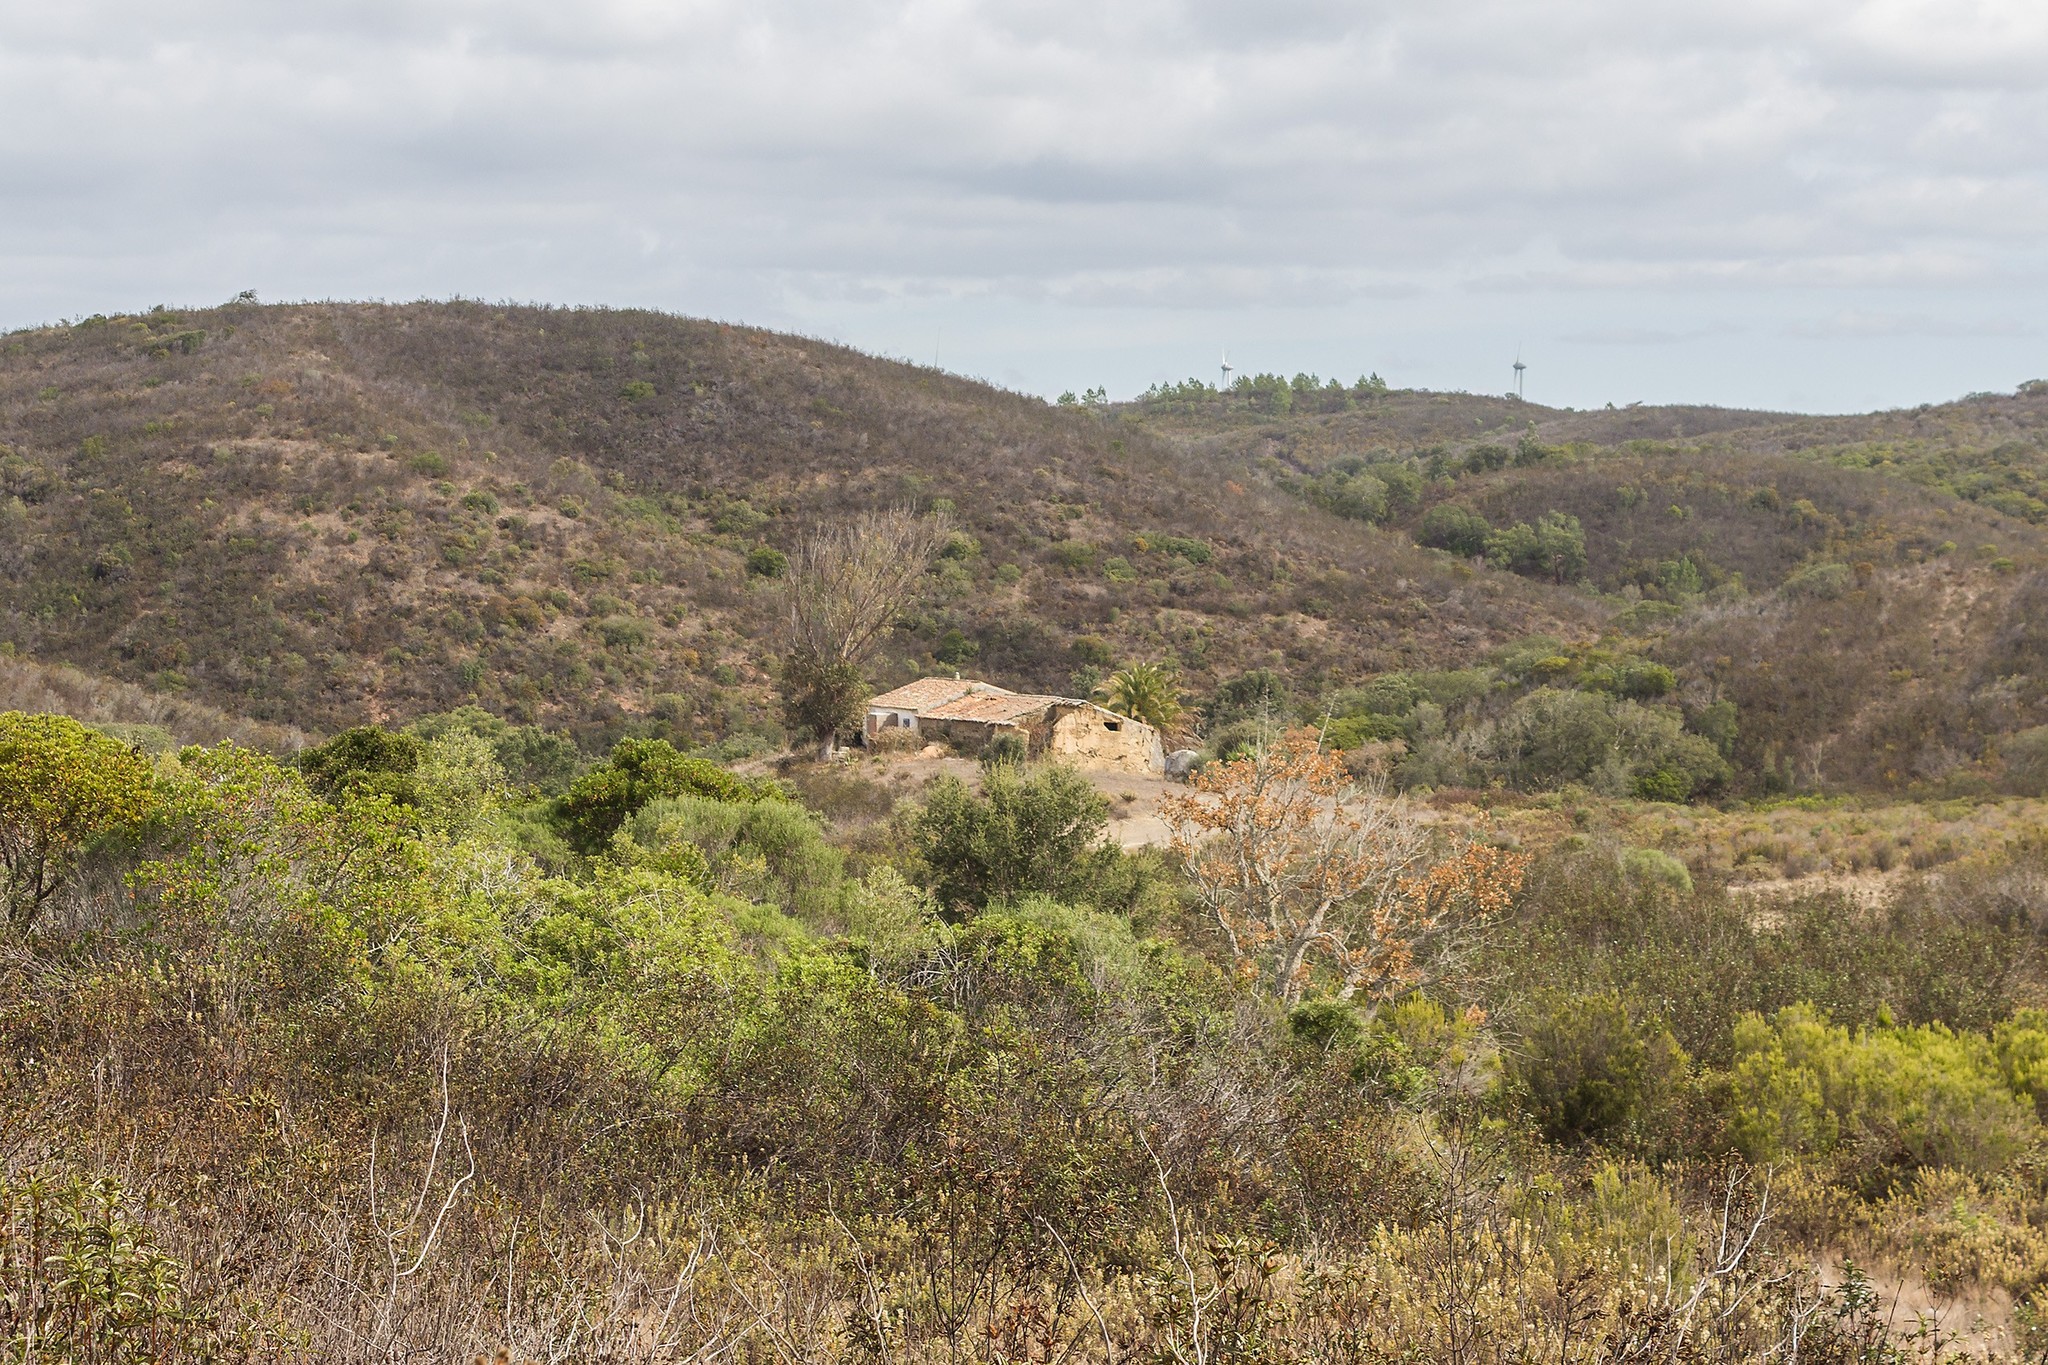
x=1814 y=204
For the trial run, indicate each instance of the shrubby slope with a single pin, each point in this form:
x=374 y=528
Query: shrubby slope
x=1863 y=590
x=324 y=512
x=319 y=514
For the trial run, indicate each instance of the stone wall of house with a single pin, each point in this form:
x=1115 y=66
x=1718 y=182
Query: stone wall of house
x=1090 y=737
x=967 y=737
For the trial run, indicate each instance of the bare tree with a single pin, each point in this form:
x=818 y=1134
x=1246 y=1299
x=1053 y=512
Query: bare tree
x=848 y=582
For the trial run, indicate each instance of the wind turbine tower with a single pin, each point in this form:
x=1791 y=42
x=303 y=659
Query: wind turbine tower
x=1224 y=387
x=1519 y=367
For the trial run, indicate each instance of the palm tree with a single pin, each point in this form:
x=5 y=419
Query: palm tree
x=1147 y=692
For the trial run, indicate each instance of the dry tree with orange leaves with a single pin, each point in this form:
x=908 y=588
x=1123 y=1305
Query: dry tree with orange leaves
x=1307 y=870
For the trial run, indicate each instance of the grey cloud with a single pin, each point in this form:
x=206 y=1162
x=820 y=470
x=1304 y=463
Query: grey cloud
x=1160 y=156
x=1645 y=336
x=1855 y=323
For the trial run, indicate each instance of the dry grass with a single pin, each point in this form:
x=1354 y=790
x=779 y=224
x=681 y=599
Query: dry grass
x=62 y=690
x=1859 y=845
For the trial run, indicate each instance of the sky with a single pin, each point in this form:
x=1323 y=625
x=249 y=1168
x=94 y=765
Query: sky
x=1819 y=205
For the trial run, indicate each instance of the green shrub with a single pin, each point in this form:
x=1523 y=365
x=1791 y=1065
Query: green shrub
x=1092 y=649
x=1396 y=694
x=1640 y=680
x=1259 y=693
x=1072 y=554
x=1880 y=1099
x=1039 y=831
x=1820 y=582
x=1554 y=736
x=1359 y=496
x=1353 y=731
x=2026 y=761
x=1592 y=1071
x=772 y=851
x=87 y=1280
x=21 y=479
x=63 y=788
x=1006 y=749
x=431 y=463
x=1554 y=548
x=1240 y=737
x=1655 y=865
x=1183 y=547
x=636 y=390
x=623 y=632
x=1718 y=724
x=1441 y=1049
x=1460 y=530
x=529 y=756
x=2021 y=1043
x=738 y=518
x=365 y=761
x=1647 y=615
x=636 y=772
x=954 y=648
x=765 y=561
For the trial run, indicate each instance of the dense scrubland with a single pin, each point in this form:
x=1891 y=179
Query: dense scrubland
x=389 y=1054
x=1605 y=922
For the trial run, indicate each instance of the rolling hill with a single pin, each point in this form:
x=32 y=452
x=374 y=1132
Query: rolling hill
x=327 y=512
x=323 y=513
x=1867 y=590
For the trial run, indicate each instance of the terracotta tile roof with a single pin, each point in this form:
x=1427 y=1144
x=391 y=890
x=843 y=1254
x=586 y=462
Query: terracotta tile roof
x=990 y=708
x=925 y=693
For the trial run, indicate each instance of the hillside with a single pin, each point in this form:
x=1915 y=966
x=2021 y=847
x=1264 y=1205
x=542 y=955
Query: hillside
x=1865 y=590
x=319 y=514
x=449 y=1039
x=327 y=512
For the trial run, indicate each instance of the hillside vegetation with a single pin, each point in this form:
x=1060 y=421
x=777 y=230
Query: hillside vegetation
x=320 y=1063
x=318 y=514
x=418 y=940
x=1864 y=592
x=328 y=512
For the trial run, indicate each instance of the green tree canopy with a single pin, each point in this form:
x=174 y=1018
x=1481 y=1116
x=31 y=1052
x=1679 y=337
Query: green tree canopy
x=639 y=771
x=1258 y=694
x=1460 y=530
x=1032 y=832
x=1147 y=692
x=365 y=761
x=62 y=786
x=1554 y=548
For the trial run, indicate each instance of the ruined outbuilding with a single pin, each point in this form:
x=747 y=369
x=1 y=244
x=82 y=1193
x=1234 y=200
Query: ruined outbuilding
x=967 y=715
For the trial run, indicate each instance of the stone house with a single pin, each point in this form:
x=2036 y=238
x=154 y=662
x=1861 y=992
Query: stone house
x=968 y=714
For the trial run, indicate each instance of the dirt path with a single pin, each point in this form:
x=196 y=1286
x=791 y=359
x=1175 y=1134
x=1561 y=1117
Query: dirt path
x=1133 y=801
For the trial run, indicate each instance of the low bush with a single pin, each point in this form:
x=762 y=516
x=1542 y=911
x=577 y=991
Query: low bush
x=636 y=772
x=1879 y=1100
x=1592 y=1071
